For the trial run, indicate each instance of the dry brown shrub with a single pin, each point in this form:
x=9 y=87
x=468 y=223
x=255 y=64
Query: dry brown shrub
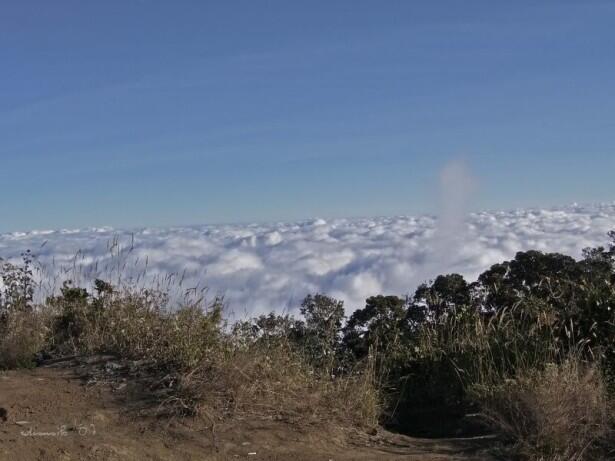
x=203 y=369
x=22 y=335
x=275 y=382
x=560 y=413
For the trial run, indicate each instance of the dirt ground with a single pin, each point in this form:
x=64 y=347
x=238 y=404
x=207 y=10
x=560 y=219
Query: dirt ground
x=50 y=413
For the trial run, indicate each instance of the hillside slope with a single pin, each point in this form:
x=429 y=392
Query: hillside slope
x=51 y=413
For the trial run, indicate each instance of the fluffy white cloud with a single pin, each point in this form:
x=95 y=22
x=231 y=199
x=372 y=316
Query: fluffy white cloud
x=261 y=267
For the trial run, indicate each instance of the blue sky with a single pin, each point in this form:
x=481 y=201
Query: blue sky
x=138 y=113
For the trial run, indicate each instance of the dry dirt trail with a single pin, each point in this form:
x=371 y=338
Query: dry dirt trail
x=49 y=414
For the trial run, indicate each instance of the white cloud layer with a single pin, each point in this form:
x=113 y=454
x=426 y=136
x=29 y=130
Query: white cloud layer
x=263 y=267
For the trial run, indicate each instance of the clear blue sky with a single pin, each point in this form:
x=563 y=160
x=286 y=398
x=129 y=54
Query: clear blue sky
x=133 y=113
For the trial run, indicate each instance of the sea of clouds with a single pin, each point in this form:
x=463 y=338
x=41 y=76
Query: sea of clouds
x=263 y=267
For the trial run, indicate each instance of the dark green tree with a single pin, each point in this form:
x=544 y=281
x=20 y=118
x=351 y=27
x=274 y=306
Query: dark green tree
x=382 y=323
x=323 y=322
x=445 y=293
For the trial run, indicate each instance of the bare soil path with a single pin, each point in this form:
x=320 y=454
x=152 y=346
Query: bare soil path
x=49 y=414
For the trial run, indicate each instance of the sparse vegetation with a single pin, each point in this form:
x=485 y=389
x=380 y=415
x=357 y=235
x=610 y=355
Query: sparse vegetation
x=528 y=350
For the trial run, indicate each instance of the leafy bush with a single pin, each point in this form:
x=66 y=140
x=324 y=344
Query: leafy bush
x=22 y=329
x=17 y=291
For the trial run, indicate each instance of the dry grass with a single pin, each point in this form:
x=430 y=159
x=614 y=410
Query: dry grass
x=214 y=373
x=22 y=335
x=276 y=382
x=549 y=398
x=562 y=412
